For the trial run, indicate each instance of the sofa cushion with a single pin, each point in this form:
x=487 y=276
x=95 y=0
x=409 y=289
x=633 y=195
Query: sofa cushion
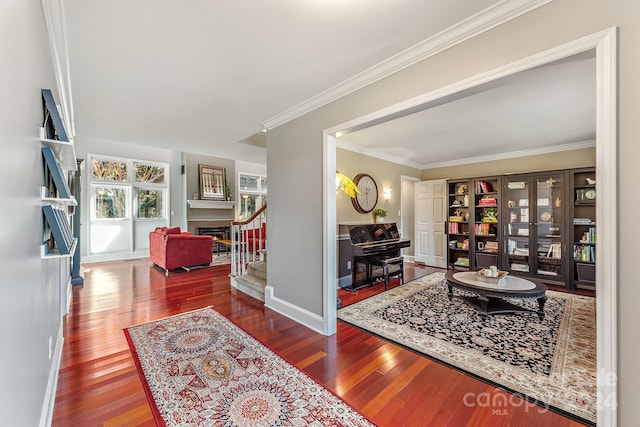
x=173 y=230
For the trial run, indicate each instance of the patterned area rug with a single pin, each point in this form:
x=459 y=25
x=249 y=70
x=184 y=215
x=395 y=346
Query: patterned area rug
x=200 y=369
x=552 y=362
x=220 y=259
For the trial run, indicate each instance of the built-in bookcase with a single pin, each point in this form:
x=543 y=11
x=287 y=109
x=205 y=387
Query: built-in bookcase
x=458 y=224
x=486 y=229
x=583 y=228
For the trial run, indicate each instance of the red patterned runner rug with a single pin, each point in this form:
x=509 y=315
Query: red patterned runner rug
x=200 y=369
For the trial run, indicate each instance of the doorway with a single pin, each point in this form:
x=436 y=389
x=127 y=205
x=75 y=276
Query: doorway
x=604 y=44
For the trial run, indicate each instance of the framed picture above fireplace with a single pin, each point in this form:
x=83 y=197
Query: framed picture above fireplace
x=212 y=182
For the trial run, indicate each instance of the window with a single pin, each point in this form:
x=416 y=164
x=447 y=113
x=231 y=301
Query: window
x=110 y=202
x=253 y=194
x=128 y=198
x=149 y=204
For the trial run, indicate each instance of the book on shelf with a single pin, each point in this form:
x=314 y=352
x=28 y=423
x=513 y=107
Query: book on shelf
x=585 y=253
x=488 y=201
x=490 y=246
x=484 y=229
x=483 y=187
x=462 y=261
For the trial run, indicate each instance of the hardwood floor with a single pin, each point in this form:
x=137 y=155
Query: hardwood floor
x=98 y=383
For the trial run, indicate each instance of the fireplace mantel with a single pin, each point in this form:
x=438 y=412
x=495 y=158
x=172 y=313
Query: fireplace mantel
x=210 y=204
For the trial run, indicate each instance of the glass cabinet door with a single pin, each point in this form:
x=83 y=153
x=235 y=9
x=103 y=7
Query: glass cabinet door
x=517 y=190
x=548 y=224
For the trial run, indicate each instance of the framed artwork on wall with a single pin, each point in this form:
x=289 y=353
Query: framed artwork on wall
x=212 y=182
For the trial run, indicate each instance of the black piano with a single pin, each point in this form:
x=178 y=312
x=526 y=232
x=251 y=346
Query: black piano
x=376 y=253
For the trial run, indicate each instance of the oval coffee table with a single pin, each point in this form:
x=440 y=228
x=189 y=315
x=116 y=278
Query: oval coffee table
x=488 y=296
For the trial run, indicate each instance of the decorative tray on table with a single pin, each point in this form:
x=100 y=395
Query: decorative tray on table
x=495 y=279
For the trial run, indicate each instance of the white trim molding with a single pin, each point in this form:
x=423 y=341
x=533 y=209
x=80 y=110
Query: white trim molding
x=46 y=414
x=485 y=20
x=53 y=11
x=300 y=315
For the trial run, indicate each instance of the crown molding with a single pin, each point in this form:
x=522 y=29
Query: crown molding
x=485 y=20
x=512 y=154
x=458 y=162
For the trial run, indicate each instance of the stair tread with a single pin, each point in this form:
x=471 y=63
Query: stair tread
x=253 y=281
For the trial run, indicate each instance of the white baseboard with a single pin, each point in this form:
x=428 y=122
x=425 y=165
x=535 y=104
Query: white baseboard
x=46 y=415
x=300 y=315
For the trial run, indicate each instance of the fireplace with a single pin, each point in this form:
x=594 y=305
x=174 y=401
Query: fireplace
x=218 y=233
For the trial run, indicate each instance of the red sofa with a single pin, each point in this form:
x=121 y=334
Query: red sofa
x=170 y=248
x=256 y=238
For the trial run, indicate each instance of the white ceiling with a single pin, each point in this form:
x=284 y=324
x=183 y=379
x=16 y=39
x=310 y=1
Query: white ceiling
x=203 y=75
x=544 y=109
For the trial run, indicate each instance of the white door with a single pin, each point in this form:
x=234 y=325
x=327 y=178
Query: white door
x=430 y=214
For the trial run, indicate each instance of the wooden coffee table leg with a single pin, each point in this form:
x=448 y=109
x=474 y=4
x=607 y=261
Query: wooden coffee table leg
x=450 y=293
x=484 y=303
x=541 y=302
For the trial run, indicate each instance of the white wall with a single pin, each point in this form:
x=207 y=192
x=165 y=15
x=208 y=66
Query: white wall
x=295 y=156
x=29 y=286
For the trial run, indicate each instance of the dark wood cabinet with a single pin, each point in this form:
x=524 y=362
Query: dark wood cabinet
x=459 y=213
x=473 y=223
x=540 y=225
x=534 y=233
x=486 y=224
x=583 y=237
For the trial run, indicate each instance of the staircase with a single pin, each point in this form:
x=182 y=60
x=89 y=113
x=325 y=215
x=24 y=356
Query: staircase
x=248 y=263
x=254 y=280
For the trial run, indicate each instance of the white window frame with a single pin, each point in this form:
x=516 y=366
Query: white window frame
x=131 y=185
x=259 y=193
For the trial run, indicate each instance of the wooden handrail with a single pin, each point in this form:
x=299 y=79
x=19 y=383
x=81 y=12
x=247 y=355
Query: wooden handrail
x=254 y=216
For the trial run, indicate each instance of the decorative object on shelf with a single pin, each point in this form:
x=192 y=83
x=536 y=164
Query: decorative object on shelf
x=590 y=195
x=516 y=185
x=490 y=214
x=545 y=216
x=511 y=203
x=590 y=181
x=367 y=198
x=344 y=184
x=378 y=215
x=585 y=196
x=462 y=189
x=212 y=182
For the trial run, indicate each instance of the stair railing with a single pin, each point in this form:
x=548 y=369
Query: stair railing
x=242 y=253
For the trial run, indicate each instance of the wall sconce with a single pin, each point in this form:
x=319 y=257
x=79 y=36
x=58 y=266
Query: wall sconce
x=386 y=193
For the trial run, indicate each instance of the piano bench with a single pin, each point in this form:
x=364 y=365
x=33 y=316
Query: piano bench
x=385 y=263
